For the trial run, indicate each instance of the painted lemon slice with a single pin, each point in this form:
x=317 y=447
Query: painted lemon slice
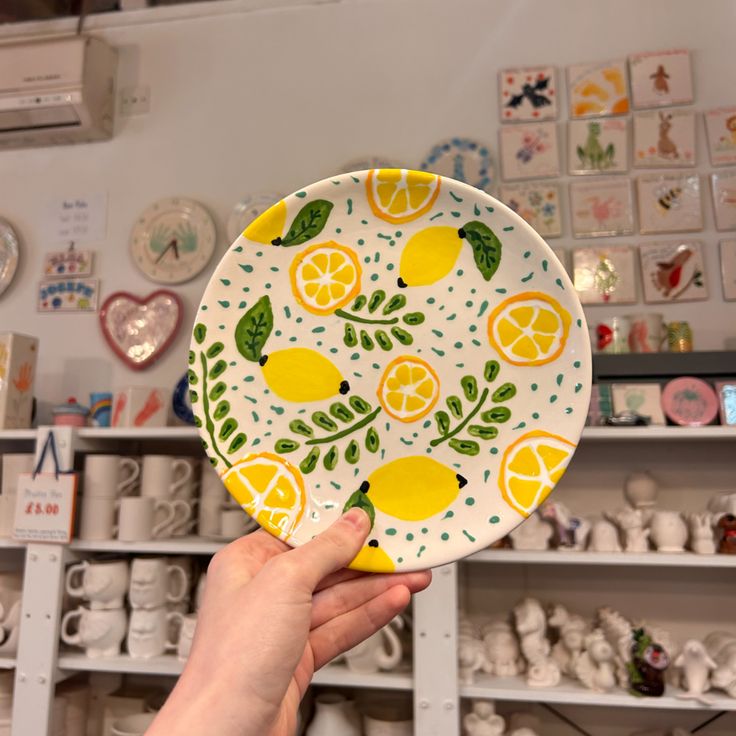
x=400 y=195
x=408 y=389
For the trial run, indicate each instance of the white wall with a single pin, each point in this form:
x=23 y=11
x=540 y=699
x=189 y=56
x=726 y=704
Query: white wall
x=250 y=99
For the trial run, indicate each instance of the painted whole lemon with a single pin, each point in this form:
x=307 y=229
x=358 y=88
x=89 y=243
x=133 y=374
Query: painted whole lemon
x=302 y=374
x=429 y=255
x=269 y=226
x=413 y=488
x=270 y=489
x=372 y=558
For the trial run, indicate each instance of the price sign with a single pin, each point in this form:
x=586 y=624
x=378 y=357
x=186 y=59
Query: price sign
x=44 y=507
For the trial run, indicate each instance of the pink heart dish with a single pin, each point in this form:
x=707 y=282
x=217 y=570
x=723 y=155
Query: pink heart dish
x=140 y=329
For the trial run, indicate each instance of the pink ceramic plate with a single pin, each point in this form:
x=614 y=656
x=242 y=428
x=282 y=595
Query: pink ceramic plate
x=689 y=402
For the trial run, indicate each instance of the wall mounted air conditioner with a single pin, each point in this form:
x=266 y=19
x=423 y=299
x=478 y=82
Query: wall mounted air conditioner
x=56 y=91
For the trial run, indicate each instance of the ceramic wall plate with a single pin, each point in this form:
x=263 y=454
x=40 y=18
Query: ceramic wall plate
x=247 y=210
x=9 y=252
x=464 y=160
x=398 y=341
x=690 y=402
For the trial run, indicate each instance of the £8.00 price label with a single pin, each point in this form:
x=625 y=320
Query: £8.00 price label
x=50 y=509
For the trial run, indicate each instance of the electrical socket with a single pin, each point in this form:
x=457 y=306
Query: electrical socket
x=135 y=100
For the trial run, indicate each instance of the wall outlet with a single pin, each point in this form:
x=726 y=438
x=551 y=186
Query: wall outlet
x=135 y=100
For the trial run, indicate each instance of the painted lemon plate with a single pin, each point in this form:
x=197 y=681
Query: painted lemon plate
x=395 y=340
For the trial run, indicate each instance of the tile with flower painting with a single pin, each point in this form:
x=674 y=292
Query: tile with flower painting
x=527 y=94
x=601 y=207
x=720 y=125
x=598 y=89
x=673 y=271
x=660 y=78
x=669 y=203
x=664 y=138
x=724 y=199
x=598 y=146
x=529 y=151
x=538 y=204
x=605 y=275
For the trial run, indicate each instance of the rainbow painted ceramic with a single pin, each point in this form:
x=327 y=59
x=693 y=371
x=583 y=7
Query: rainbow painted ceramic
x=398 y=341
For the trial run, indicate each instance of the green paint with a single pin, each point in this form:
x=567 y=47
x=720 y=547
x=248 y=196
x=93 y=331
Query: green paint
x=559 y=378
x=391 y=532
x=483 y=307
x=470 y=501
x=467 y=534
x=444 y=536
x=553 y=398
x=367 y=419
x=494 y=520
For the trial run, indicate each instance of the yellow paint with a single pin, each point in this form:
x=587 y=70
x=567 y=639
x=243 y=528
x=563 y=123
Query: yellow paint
x=401 y=195
x=408 y=389
x=531 y=467
x=325 y=277
x=268 y=226
x=270 y=489
x=529 y=329
x=614 y=77
x=413 y=488
x=301 y=374
x=372 y=559
x=430 y=255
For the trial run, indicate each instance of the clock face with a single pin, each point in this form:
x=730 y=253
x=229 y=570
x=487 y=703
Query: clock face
x=173 y=240
x=9 y=248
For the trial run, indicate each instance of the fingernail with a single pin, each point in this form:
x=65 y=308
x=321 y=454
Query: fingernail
x=357 y=518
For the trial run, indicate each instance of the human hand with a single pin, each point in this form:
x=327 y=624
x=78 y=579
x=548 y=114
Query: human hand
x=271 y=616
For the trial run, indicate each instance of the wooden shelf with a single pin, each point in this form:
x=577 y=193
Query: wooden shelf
x=191 y=545
x=715 y=432
x=139 y=433
x=573 y=693
x=7 y=663
x=633 y=367
x=17 y=435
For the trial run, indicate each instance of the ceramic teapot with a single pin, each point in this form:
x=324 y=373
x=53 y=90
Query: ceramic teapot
x=668 y=531
x=382 y=651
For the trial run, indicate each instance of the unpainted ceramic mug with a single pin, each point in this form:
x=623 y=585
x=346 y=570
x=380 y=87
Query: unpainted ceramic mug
x=103 y=584
x=99 y=632
x=151 y=582
x=150 y=632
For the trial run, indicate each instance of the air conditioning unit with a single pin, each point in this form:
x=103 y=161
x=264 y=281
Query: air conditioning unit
x=56 y=92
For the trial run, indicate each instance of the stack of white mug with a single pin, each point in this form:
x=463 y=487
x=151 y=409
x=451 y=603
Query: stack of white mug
x=220 y=516
x=11 y=592
x=13 y=464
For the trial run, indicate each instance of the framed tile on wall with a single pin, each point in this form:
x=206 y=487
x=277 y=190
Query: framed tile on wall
x=723 y=185
x=720 y=125
x=527 y=94
x=598 y=89
x=661 y=78
x=643 y=398
x=538 y=203
x=728 y=269
x=529 y=151
x=673 y=271
x=598 y=146
x=664 y=138
x=669 y=203
x=602 y=206
x=605 y=275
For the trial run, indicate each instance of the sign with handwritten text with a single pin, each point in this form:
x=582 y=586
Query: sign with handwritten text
x=44 y=507
x=77 y=219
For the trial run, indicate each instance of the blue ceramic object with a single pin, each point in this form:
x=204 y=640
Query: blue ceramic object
x=180 y=401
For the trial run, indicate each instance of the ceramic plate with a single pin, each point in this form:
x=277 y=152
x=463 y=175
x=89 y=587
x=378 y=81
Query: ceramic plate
x=247 y=210
x=398 y=341
x=462 y=159
x=8 y=254
x=689 y=402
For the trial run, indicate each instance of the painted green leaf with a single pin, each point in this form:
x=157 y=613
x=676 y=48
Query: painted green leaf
x=310 y=461
x=341 y=412
x=470 y=387
x=352 y=452
x=215 y=349
x=299 y=426
x=193 y=396
x=362 y=501
x=491 y=369
x=496 y=415
x=192 y=378
x=377 y=298
x=192 y=357
x=483 y=432
x=442 y=418
x=397 y=301
x=465 y=447
x=402 y=335
x=200 y=332
x=414 y=318
x=360 y=405
x=217 y=390
x=366 y=340
x=227 y=428
x=254 y=329
x=350 y=338
x=331 y=457
x=308 y=223
x=486 y=247
x=372 y=441
x=383 y=340
x=360 y=301
x=237 y=442
x=285 y=445
x=217 y=369
x=455 y=406
x=322 y=420
x=221 y=410
x=504 y=393
x=197 y=422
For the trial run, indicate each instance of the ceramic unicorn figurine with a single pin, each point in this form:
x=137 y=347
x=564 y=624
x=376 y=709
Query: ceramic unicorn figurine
x=571 y=531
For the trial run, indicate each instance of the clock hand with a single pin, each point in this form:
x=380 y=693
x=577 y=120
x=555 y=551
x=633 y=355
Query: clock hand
x=175 y=243
x=166 y=250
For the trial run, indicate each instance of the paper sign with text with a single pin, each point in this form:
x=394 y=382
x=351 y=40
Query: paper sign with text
x=77 y=218
x=44 y=507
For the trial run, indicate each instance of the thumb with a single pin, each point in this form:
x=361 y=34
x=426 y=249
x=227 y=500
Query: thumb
x=333 y=549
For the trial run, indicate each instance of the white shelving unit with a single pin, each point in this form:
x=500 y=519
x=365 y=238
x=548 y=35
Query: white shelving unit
x=501 y=575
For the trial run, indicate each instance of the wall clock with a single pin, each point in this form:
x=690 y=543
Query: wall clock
x=9 y=248
x=173 y=240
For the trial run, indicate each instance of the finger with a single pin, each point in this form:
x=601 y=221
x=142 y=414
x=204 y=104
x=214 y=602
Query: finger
x=344 y=597
x=346 y=631
x=341 y=576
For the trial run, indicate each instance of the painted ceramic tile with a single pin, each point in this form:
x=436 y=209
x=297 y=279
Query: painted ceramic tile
x=464 y=160
x=598 y=146
x=598 y=89
x=529 y=151
x=664 y=138
x=528 y=94
x=724 y=199
x=601 y=404
x=669 y=203
x=605 y=275
x=68 y=295
x=728 y=269
x=673 y=271
x=721 y=127
x=601 y=207
x=661 y=78
x=643 y=398
x=726 y=391
x=563 y=258
x=62 y=263
x=538 y=204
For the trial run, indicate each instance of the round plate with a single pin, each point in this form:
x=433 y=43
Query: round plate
x=247 y=210
x=462 y=159
x=173 y=240
x=369 y=162
x=9 y=252
x=689 y=402
x=398 y=341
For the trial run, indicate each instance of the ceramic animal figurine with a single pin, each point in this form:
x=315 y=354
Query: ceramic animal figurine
x=533 y=534
x=723 y=503
x=571 y=532
x=702 y=540
x=668 y=531
x=571 y=630
x=641 y=490
x=618 y=632
x=727 y=527
x=696 y=665
x=631 y=522
x=647 y=667
x=531 y=626
x=604 y=537
x=483 y=720
x=721 y=646
x=471 y=658
x=595 y=667
x=502 y=655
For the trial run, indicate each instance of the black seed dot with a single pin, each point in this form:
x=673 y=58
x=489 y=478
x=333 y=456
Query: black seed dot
x=364 y=486
x=461 y=233
x=401 y=283
x=344 y=387
x=276 y=241
x=262 y=360
x=461 y=481
x=373 y=543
